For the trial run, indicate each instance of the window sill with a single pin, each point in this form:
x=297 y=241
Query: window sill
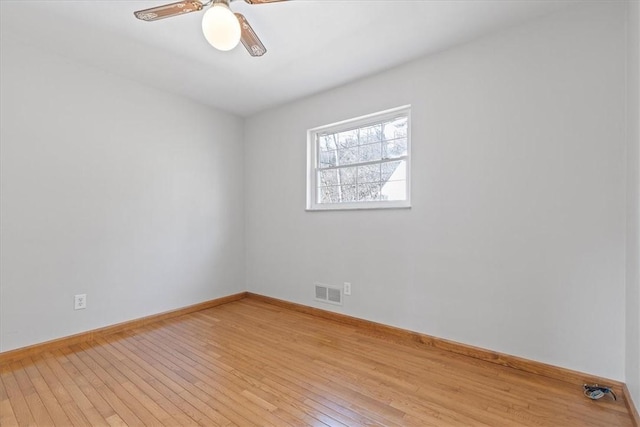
x=359 y=207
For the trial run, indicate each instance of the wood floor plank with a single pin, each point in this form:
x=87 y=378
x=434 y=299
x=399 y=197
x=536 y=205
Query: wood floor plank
x=224 y=392
x=304 y=359
x=249 y=363
x=88 y=398
x=243 y=377
x=141 y=396
x=115 y=421
x=288 y=384
x=37 y=407
x=18 y=403
x=97 y=391
x=172 y=392
x=232 y=386
x=176 y=383
x=58 y=416
x=251 y=375
x=7 y=417
x=341 y=397
x=116 y=385
x=177 y=416
x=47 y=365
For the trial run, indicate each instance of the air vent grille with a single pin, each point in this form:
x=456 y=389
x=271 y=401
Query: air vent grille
x=321 y=292
x=334 y=295
x=328 y=294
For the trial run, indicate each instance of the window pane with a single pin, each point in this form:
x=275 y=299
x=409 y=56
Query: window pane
x=328 y=194
x=322 y=143
x=327 y=159
x=394 y=171
x=395 y=128
x=327 y=142
x=337 y=194
x=368 y=153
x=348 y=193
x=368 y=192
x=348 y=156
x=348 y=176
x=394 y=190
x=370 y=134
x=369 y=173
x=348 y=139
x=329 y=177
x=394 y=148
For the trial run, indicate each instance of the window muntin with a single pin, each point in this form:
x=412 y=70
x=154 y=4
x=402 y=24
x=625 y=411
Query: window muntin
x=360 y=163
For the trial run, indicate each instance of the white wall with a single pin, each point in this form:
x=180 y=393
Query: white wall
x=633 y=203
x=112 y=189
x=516 y=238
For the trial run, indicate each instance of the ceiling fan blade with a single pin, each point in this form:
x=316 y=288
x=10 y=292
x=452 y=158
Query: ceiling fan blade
x=249 y=38
x=262 y=1
x=168 y=10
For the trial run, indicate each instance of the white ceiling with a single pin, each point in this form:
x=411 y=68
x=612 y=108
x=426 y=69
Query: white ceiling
x=312 y=45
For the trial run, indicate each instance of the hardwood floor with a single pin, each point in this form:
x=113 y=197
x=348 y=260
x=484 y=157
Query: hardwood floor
x=249 y=363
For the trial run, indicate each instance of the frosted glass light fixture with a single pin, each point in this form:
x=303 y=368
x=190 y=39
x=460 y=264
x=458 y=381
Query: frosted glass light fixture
x=221 y=27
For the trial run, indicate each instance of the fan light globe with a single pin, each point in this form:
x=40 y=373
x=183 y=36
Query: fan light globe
x=221 y=27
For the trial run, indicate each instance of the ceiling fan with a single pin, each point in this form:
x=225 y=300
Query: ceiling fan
x=221 y=27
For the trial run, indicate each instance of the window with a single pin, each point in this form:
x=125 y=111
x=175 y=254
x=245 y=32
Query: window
x=363 y=163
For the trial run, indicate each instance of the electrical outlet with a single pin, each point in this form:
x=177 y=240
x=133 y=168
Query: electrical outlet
x=80 y=302
x=347 y=288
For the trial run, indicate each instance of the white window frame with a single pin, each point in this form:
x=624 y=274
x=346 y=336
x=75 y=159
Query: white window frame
x=358 y=122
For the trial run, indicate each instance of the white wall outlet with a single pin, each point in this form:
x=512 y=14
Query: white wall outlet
x=80 y=302
x=347 y=288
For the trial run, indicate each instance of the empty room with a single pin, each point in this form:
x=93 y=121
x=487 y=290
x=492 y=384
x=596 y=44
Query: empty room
x=320 y=213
